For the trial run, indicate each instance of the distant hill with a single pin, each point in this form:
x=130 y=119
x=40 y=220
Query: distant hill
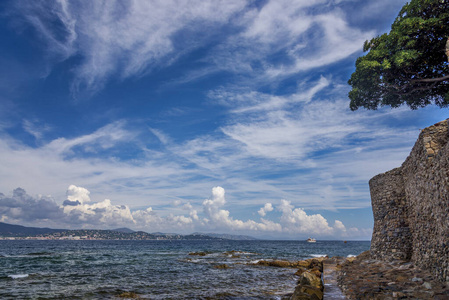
x=124 y=230
x=226 y=236
x=9 y=230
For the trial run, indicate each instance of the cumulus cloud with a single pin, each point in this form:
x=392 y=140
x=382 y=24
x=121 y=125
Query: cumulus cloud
x=339 y=226
x=22 y=207
x=219 y=218
x=292 y=220
x=267 y=207
x=74 y=211
x=78 y=211
x=79 y=194
x=296 y=220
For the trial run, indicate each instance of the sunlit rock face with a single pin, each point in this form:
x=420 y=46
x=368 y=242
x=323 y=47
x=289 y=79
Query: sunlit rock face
x=411 y=205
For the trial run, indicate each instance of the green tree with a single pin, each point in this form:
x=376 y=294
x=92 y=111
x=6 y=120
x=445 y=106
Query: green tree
x=409 y=65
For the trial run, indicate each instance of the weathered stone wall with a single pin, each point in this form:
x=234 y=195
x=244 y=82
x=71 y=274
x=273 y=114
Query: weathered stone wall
x=391 y=232
x=411 y=205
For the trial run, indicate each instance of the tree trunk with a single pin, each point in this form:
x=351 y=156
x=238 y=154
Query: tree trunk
x=447 y=49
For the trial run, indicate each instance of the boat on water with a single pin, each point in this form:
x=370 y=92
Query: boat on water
x=311 y=240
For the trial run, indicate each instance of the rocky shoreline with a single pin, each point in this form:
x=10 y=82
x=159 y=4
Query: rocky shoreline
x=363 y=277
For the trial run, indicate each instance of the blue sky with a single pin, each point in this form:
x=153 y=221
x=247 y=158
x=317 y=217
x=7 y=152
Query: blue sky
x=182 y=116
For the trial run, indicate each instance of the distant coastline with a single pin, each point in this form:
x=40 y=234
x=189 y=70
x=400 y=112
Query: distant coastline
x=18 y=232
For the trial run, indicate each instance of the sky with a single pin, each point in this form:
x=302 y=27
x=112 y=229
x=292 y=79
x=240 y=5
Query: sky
x=225 y=116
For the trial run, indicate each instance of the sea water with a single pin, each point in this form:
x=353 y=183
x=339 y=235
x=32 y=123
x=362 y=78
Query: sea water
x=31 y=269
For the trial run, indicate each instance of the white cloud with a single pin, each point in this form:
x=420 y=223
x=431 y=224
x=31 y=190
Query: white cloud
x=276 y=154
x=280 y=20
x=292 y=220
x=336 y=42
x=35 y=129
x=339 y=226
x=128 y=38
x=267 y=208
x=265 y=146
x=296 y=220
x=306 y=34
x=76 y=213
x=79 y=194
x=242 y=102
x=105 y=137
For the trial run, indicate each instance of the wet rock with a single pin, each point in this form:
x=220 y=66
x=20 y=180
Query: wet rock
x=222 y=266
x=300 y=271
x=317 y=272
x=310 y=279
x=129 y=295
x=275 y=263
x=301 y=296
x=307 y=292
x=309 y=285
x=306 y=264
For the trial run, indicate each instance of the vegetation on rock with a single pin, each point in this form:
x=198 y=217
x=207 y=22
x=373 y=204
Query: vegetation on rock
x=409 y=65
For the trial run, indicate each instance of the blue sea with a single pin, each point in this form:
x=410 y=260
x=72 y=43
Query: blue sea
x=32 y=269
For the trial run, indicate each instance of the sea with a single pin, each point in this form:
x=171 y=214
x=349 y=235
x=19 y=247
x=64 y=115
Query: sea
x=164 y=269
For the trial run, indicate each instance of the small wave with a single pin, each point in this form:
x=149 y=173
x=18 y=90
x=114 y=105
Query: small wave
x=254 y=261
x=351 y=255
x=318 y=255
x=18 y=276
x=190 y=260
x=238 y=252
x=248 y=253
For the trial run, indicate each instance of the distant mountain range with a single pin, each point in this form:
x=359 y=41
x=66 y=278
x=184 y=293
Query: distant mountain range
x=18 y=231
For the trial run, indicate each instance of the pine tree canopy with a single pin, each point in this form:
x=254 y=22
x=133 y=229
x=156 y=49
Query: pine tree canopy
x=409 y=65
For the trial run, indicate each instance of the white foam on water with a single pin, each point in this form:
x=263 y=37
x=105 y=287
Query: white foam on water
x=254 y=261
x=351 y=255
x=318 y=255
x=18 y=276
x=246 y=253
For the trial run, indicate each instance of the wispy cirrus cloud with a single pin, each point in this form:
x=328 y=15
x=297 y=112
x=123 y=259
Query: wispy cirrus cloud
x=287 y=38
x=242 y=102
x=119 y=38
x=116 y=39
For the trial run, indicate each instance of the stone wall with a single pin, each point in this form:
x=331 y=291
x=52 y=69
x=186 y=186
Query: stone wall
x=411 y=205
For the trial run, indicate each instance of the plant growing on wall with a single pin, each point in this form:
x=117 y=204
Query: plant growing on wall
x=409 y=65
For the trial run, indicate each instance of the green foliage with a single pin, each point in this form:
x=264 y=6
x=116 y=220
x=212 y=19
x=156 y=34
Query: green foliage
x=408 y=65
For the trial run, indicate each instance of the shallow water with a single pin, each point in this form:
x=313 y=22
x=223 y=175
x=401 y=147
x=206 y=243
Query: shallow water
x=154 y=269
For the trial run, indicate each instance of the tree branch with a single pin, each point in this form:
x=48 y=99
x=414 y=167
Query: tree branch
x=431 y=79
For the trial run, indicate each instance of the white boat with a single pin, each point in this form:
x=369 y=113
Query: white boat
x=311 y=240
